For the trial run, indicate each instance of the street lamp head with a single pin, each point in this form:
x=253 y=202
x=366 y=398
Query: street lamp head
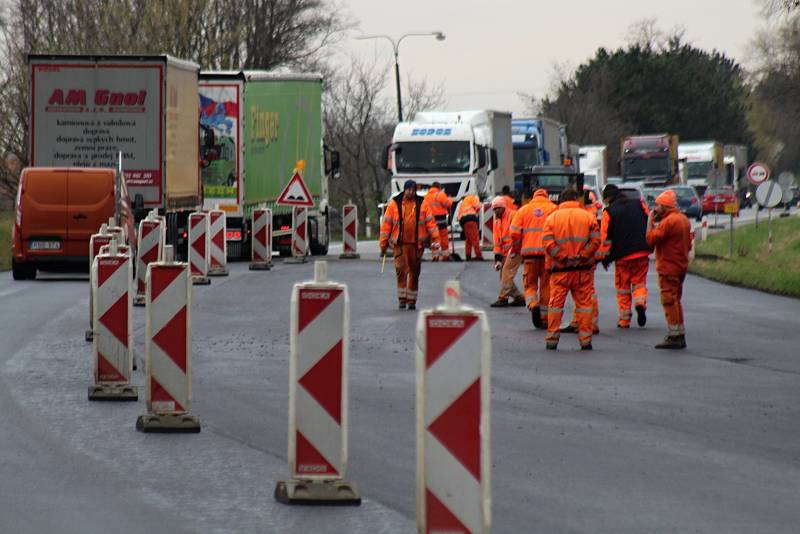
x=439 y=36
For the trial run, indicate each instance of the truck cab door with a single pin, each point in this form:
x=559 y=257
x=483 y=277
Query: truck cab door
x=90 y=195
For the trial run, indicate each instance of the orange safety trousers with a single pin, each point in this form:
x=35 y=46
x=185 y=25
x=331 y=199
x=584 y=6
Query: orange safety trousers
x=472 y=241
x=407 y=264
x=671 y=292
x=444 y=242
x=595 y=307
x=630 y=278
x=507 y=274
x=536 y=282
x=580 y=285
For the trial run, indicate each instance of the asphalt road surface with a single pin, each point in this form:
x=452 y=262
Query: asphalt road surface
x=622 y=439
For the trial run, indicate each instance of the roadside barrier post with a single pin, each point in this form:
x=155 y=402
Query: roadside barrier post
x=102 y=237
x=218 y=256
x=168 y=349
x=117 y=231
x=261 y=240
x=487 y=227
x=198 y=248
x=692 y=251
x=112 y=343
x=299 y=235
x=150 y=248
x=318 y=404
x=704 y=228
x=349 y=232
x=453 y=390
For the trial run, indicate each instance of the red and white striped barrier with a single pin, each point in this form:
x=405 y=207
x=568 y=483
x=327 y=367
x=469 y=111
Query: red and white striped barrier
x=199 y=248
x=453 y=389
x=96 y=241
x=112 y=344
x=261 y=239
x=299 y=235
x=168 y=350
x=121 y=249
x=218 y=244
x=349 y=232
x=487 y=227
x=692 y=245
x=118 y=231
x=318 y=361
x=704 y=228
x=150 y=248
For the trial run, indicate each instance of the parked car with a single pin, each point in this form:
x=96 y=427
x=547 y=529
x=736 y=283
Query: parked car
x=688 y=201
x=714 y=200
x=631 y=190
x=57 y=211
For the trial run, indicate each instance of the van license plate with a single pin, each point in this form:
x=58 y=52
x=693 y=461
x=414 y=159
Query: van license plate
x=44 y=245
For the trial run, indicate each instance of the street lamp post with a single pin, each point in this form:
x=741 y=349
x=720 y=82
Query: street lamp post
x=396 y=47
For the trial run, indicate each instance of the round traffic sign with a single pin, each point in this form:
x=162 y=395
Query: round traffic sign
x=769 y=194
x=758 y=173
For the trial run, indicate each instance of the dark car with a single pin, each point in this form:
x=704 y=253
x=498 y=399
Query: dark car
x=688 y=201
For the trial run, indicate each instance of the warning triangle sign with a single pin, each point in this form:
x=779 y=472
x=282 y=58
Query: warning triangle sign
x=295 y=193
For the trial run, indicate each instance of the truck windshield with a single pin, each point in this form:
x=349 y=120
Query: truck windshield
x=432 y=157
x=639 y=168
x=525 y=158
x=553 y=181
x=698 y=169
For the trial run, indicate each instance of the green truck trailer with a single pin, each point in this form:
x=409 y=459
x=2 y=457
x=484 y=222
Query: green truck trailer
x=255 y=127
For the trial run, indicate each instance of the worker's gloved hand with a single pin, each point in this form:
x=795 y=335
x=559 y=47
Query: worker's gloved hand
x=498 y=265
x=435 y=246
x=383 y=251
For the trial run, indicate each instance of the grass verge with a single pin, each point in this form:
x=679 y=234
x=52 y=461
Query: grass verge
x=5 y=239
x=752 y=265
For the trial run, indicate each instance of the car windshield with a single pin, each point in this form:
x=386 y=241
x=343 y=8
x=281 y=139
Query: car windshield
x=431 y=157
x=525 y=158
x=683 y=192
x=720 y=192
x=637 y=168
x=698 y=169
x=650 y=195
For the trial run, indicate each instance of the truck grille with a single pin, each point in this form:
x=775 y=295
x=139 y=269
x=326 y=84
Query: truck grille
x=234 y=250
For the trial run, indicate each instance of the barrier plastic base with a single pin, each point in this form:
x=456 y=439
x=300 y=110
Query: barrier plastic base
x=200 y=281
x=88 y=335
x=349 y=256
x=325 y=492
x=108 y=392
x=168 y=423
x=296 y=259
x=138 y=300
x=218 y=272
x=260 y=266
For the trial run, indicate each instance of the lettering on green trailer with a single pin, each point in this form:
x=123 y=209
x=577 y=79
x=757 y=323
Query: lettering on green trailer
x=265 y=127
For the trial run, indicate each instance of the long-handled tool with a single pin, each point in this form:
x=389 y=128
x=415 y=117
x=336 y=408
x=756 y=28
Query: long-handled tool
x=454 y=256
x=383 y=263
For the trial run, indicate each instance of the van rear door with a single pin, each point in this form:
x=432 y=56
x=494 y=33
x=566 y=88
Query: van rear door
x=44 y=211
x=90 y=204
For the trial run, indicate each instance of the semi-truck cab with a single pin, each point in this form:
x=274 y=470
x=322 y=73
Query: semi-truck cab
x=468 y=152
x=698 y=160
x=651 y=160
x=536 y=141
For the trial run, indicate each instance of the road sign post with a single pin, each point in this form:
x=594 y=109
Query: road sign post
x=769 y=195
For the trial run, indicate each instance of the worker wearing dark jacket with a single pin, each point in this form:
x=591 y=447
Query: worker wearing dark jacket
x=623 y=232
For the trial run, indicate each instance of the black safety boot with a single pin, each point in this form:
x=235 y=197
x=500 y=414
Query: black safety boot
x=412 y=306
x=641 y=317
x=402 y=306
x=587 y=346
x=536 y=317
x=518 y=302
x=570 y=329
x=672 y=342
x=551 y=345
x=499 y=303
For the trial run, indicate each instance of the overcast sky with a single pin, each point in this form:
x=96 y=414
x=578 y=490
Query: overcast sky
x=496 y=49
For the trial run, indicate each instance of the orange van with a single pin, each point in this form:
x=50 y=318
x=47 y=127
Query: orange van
x=58 y=210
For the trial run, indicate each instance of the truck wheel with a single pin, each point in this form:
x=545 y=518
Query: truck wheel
x=317 y=249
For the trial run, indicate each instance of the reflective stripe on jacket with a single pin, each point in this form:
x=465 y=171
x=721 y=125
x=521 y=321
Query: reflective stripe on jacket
x=437 y=202
x=571 y=237
x=527 y=226
x=403 y=215
x=470 y=205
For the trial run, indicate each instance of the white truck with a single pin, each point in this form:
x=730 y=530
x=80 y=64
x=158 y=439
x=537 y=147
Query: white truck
x=593 y=163
x=736 y=171
x=468 y=152
x=697 y=160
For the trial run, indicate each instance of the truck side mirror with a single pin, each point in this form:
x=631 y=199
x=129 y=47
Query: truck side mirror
x=492 y=159
x=481 y=157
x=335 y=164
x=385 y=156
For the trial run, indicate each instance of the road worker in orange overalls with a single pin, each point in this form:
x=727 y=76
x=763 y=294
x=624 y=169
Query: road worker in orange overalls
x=505 y=260
x=593 y=206
x=623 y=232
x=469 y=212
x=571 y=239
x=438 y=203
x=406 y=225
x=672 y=241
x=527 y=229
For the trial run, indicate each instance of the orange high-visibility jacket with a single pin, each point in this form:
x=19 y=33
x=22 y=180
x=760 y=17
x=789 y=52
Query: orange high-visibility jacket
x=470 y=205
x=571 y=237
x=673 y=241
x=407 y=222
x=502 y=232
x=527 y=226
x=438 y=202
